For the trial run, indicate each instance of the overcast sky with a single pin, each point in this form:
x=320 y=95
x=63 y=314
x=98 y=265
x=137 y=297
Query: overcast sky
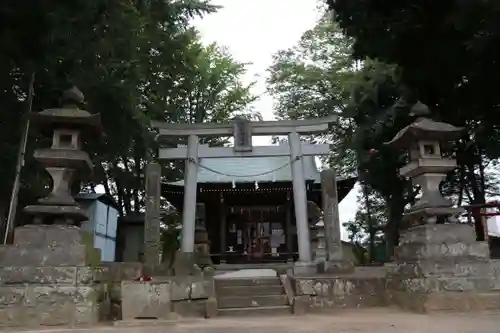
x=255 y=30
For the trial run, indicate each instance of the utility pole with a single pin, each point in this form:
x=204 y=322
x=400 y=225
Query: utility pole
x=20 y=163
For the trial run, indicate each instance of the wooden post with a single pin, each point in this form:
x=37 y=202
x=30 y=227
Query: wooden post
x=223 y=229
x=289 y=236
x=190 y=189
x=152 y=216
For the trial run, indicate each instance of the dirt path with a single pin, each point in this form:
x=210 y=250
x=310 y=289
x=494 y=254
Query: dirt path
x=354 y=321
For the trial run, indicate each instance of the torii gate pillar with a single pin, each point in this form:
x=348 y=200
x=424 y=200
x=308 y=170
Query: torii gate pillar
x=190 y=189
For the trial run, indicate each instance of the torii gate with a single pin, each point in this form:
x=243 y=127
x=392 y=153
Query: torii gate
x=242 y=130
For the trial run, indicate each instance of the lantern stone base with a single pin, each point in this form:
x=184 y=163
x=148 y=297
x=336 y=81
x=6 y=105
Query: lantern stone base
x=46 y=278
x=442 y=267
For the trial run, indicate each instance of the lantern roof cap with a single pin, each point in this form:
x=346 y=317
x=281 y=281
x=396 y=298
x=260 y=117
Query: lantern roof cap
x=425 y=129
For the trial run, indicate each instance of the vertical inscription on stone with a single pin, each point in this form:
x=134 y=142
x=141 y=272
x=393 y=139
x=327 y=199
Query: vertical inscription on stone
x=242 y=132
x=152 y=216
x=331 y=215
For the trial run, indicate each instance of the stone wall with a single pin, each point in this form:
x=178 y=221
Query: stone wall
x=362 y=289
x=31 y=296
x=108 y=277
x=167 y=298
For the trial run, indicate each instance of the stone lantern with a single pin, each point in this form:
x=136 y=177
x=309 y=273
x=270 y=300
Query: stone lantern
x=51 y=250
x=430 y=260
x=65 y=160
x=318 y=241
x=427 y=167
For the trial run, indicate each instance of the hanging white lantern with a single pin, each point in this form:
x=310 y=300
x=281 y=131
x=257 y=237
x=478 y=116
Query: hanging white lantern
x=234 y=184
x=256 y=185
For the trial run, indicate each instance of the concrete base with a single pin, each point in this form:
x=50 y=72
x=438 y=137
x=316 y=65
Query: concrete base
x=301 y=305
x=145 y=300
x=185 y=264
x=336 y=267
x=325 y=293
x=248 y=273
x=446 y=301
x=211 y=307
x=304 y=268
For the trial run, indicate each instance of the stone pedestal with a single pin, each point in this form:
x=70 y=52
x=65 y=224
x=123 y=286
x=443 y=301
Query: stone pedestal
x=166 y=298
x=46 y=277
x=146 y=300
x=202 y=248
x=442 y=267
x=185 y=264
x=301 y=268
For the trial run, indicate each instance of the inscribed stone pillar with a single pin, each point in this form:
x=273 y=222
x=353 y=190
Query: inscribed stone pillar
x=152 y=216
x=331 y=215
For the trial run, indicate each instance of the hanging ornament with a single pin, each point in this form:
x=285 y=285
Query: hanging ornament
x=234 y=184
x=256 y=185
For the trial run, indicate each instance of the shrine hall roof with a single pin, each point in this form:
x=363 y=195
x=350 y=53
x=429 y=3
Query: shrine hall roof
x=251 y=169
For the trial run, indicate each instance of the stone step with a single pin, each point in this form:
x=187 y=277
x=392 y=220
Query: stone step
x=251 y=301
x=261 y=281
x=282 y=310
x=249 y=291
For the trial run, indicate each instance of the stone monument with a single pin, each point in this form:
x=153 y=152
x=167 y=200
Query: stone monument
x=201 y=241
x=438 y=265
x=46 y=274
x=334 y=262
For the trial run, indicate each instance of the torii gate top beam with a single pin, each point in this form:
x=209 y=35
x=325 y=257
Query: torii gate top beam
x=281 y=127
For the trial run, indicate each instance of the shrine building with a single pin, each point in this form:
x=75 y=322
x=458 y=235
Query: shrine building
x=246 y=206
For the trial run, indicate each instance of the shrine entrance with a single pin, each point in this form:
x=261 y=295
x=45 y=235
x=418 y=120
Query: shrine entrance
x=254 y=198
x=256 y=234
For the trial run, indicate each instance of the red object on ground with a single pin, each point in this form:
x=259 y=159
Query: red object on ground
x=144 y=278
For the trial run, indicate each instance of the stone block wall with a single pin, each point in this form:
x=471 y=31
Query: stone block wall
x=326 y=293
x=443 y=268
x=108 y=277
x=166 y=298
x=46 y=277
x=32 y=296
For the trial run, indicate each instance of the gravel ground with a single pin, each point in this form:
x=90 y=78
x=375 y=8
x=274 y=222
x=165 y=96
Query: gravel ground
x=359 y=321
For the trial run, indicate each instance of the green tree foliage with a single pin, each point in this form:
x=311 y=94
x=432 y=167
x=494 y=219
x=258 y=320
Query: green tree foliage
x=135 y=61
x=318 y=77
x=313 y=79
x=367 y=229
x=446 y=52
